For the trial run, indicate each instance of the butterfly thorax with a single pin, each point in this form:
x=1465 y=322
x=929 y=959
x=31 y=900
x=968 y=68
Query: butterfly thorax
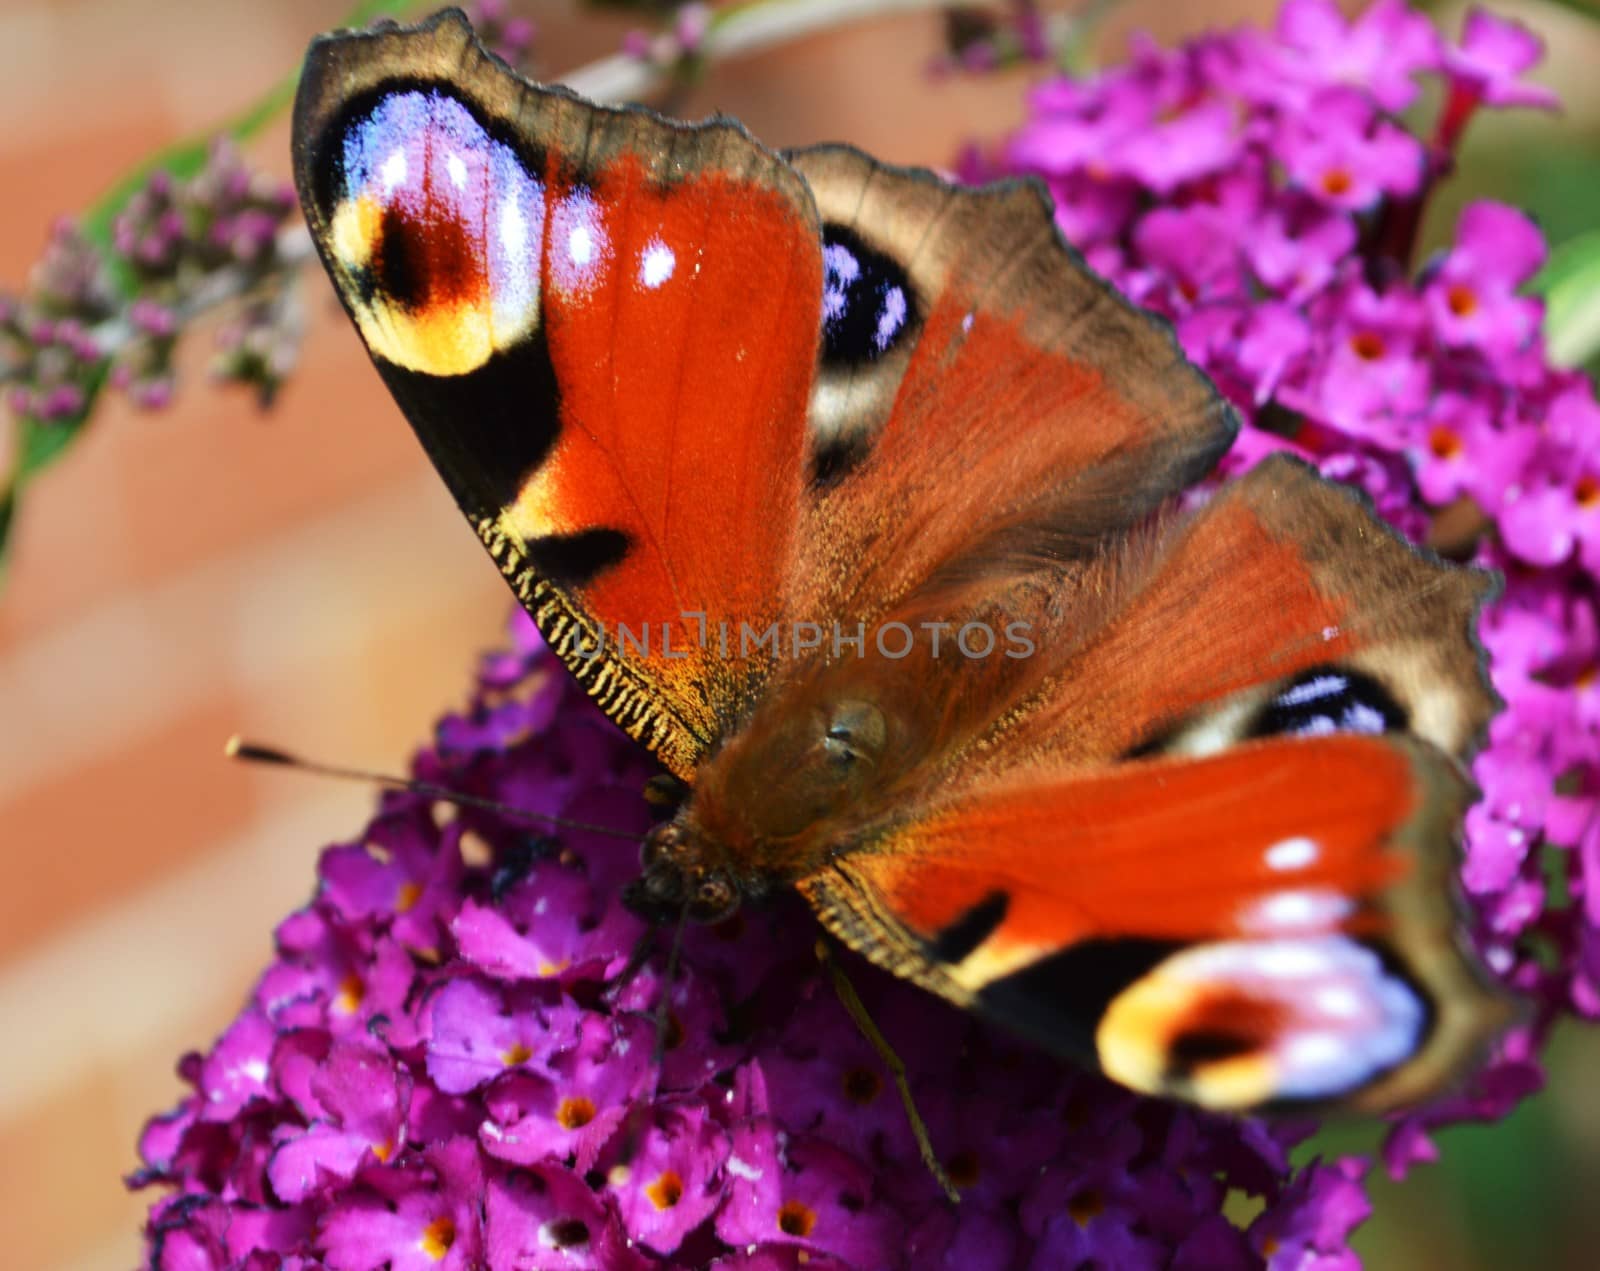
x=772 y=801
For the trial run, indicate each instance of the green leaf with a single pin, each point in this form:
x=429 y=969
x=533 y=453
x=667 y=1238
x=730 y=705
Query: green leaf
x=40 y=444
x=1570 y=284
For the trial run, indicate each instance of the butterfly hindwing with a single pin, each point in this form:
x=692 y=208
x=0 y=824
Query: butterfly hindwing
x=603 y=327
x=1270 y=924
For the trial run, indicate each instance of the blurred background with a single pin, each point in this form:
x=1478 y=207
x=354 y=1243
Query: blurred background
x=300 y=576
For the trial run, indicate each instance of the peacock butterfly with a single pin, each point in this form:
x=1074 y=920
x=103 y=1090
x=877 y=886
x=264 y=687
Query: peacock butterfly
x=848 y=492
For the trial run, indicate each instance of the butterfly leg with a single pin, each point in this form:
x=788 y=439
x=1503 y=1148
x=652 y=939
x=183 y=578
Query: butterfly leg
x=897 y=1070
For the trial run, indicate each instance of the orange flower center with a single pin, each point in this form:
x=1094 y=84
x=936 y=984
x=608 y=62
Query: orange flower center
x=1462 y=300
x=666 y=1191
x=408 y=895
x=437 y=1237
x=1086 y=1205
x=516 y=1053
x=1367 y=345
x=1336 y=181
x=1587 y=492
x=352 y=992
x=1444 y=443
x=574 y=1114
x=796 y=1219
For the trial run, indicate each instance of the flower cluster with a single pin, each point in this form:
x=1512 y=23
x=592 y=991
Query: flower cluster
x=433 y=1072
x=1257 y=190
x=441 y=1069
x=177 y=248
x=49 y=359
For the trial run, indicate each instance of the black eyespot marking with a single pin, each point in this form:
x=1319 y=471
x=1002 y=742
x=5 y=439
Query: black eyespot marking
x=967 y=932
x=1198 y=1046
x=1152 y=745
x=572 y=560
x=487 y=430
x=1331 y=699
x=868 y=306
x=1059 y=1000
x=834 y=460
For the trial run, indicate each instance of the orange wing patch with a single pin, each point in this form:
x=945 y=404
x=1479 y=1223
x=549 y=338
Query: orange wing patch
x=684 y=369
x=1095 y=419
x=1272 y=839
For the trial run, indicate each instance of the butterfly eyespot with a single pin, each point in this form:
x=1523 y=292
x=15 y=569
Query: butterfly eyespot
x=438 y=227
x=1331 y=699
x=868 y=304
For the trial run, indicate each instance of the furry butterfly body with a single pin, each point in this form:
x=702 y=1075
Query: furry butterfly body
x=888 y=472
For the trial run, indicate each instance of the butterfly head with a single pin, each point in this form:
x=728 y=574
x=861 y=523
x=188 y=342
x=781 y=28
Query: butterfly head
x=678 y=879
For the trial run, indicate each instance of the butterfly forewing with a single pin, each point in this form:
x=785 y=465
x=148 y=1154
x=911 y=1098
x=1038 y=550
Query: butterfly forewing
x=602 y=326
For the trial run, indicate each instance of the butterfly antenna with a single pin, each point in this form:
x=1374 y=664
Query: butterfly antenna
x=252 y=752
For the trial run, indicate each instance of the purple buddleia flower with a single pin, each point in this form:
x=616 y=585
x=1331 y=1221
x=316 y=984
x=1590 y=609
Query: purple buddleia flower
x=432 y=1073
x=1492 y=58
x=1381 y=52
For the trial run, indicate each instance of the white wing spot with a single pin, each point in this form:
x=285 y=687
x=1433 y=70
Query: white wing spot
x=657 y=264
x=513 y=229
x=454 y=165
x=393 y=171
x=580 y=245
x=1296 y=911
x=1295 y=853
